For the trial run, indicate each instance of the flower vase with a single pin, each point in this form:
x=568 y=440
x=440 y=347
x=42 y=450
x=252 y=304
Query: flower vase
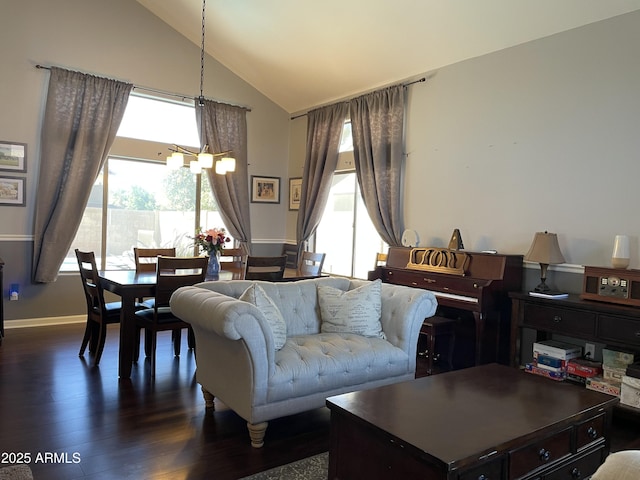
x=213 y=267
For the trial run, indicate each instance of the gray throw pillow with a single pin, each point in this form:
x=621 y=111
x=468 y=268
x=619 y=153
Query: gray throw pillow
x=256 y=295
x=354 y=311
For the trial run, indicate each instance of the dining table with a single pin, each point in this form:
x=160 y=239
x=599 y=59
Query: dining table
x=130 y=286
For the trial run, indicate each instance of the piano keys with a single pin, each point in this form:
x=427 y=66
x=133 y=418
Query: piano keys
x=471 y=283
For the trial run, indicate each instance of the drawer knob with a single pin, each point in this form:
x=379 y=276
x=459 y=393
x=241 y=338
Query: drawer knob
x=575 y=473
x=544 y=455
x=483 y=477
x=592 y=432
x=557 y=318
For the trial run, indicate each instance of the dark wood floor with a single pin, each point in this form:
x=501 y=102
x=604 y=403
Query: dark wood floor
x=53 y=402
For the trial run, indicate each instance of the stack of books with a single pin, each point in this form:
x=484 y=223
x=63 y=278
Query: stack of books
x=551 y=357
x=614 y=366
x=579 y=370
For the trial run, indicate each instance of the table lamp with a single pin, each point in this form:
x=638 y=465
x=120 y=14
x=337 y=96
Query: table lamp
x=546 y=251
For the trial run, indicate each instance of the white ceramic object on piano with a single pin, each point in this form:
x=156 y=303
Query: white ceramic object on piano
x=410 y=238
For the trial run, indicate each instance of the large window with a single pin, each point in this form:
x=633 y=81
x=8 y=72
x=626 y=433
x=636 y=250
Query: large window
x=346 y=233
x=139 y=202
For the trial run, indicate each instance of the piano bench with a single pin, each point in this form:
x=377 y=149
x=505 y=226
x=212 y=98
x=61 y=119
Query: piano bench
x=433 y=330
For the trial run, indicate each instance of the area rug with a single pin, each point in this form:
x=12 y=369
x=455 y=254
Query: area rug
x=16 y=472
x=311 y=468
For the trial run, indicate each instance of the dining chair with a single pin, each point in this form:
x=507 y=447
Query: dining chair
x=171 y=273
x=99 y=313
x=232 y=257
x=381 y=260
x=146 y=258
x=311 y=264
x=270 y=269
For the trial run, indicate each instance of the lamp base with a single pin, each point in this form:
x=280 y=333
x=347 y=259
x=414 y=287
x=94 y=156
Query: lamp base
x=542 y=287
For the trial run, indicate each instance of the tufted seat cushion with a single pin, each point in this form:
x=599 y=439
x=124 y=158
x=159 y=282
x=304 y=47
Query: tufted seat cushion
x=322 y=362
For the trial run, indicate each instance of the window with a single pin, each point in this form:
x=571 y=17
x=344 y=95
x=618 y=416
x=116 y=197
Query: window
x=138 y=202
x=346 y=233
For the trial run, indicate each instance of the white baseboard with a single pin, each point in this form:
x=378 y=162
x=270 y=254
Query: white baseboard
x=44 y=321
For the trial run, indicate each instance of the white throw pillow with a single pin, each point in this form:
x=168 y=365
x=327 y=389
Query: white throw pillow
x=256 y=295
x=354 y=311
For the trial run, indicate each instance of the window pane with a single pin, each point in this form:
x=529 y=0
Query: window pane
x=346 y=140
x=159 y=121
x=209 y=215
x=150 y=206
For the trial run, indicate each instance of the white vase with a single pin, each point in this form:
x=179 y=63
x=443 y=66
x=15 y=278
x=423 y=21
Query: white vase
x=620 y=255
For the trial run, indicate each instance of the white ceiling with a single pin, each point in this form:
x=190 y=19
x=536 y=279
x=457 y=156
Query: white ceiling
x=305 y=53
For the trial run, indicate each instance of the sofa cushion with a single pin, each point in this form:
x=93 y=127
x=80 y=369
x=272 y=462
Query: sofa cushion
x=354 y=311
x=256 y=295
x=309 y=364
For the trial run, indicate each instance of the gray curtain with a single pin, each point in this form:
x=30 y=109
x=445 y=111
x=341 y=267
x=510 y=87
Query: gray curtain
x=224 y=128
x=377 y=125
x=324 y=129
x=81 y=119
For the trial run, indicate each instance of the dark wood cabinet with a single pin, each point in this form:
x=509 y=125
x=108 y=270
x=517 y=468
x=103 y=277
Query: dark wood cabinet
x=589 y=320
x=1 y=301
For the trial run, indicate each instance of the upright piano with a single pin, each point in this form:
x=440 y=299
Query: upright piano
x=470 y=284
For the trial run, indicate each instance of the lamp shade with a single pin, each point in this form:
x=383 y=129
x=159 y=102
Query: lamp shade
x=205 y=160
x=195 y=167
x=545 y=249
x=229 y=164
x=175 y=161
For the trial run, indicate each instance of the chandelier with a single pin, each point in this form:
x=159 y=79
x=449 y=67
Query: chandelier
x=203 y=159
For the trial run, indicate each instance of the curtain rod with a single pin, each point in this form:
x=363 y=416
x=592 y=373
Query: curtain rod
x=423 y=79
x=169 y=94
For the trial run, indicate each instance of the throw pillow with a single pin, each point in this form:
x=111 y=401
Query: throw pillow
x=354 y=311
x=256 y=295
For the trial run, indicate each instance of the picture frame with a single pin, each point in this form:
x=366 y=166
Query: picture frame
x=295 y=193
x=265 y=189
x=13 y=156
x=12 y=191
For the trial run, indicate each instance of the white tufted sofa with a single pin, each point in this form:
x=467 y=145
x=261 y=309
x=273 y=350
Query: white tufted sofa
x=237 y=362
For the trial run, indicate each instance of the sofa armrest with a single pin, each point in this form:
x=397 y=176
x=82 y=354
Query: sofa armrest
x=404 y=309
x=210 y=312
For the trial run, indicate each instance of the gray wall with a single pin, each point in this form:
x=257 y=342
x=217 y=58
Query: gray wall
x=117 y=39
x=541 y=136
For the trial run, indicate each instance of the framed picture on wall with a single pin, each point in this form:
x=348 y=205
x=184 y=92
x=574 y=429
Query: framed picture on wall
x=295 y=192
x=13 y=156
x=12 y=191
x=265 y=189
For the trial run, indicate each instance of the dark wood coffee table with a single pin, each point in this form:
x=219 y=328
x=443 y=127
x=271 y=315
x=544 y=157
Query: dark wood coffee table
x=489 y=420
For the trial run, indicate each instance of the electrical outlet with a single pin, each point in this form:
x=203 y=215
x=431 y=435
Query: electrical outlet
x=589 y=351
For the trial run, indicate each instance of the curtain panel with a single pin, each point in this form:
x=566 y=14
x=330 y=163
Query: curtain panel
x=81 y=119
x=224 y=128
x=377 y=125
x=324 y=129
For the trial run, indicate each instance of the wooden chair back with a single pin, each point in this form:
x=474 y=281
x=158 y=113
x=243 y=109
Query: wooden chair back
x=270 y=269
x=381 y=260
x=93 y=291
x=232 y=257
x=311 y=264
x=175 y=272
x=146 y=258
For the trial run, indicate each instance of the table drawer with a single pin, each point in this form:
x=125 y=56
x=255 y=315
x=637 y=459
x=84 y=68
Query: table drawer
x=590 y=431
x=540 y=454
x=580 y=468
x=619 y=329
x=487 y=471
x=562 y=320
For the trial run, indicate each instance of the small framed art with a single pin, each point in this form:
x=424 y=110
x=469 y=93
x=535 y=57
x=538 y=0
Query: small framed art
x=13 y=156
x=265 y=189
x=295 y=192
x=12 y=191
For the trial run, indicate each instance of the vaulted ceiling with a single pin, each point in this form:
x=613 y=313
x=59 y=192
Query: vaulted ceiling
x=305 y=53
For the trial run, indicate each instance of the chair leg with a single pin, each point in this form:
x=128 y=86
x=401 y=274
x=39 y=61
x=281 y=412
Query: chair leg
x=191 y=339
x=152 y=336
x=147 y=342
x=100 y=344
x=177 y=340
x=256 y=433
x=86 y=338
x=136 y=345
